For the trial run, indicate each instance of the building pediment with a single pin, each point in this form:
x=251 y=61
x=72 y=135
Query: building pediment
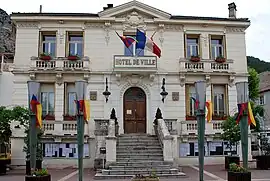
x=143 y=10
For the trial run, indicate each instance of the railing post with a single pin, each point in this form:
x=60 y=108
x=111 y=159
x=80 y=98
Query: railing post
x=111 y=144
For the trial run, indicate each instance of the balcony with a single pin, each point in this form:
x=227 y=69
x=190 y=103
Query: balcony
x=206 y=66
x=191 y=128
x=60 y=64
x=128 y=64
x=6 y=63
x=61 y=128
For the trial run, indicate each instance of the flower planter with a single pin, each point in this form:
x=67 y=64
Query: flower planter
x=45 y=57
x=231 y=159
x=38 y=178
x=3 y=167
x=28 y=169
x=220 y=60
x=49 y=117
x=69 y=118
x=195 y=59
x=239 y=176
x=72 y=58
x=145 y=179
x=263 y=162
x=189 y=118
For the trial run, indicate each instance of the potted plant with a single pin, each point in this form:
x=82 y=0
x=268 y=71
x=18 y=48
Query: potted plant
x=220 y=59
x=73 y=57
x=263 y=160
x=238 y=173
x=190 y=118
x=39 y=175
x=113 y=116
x=45 y=56
x=231 y=133
x=195 y=58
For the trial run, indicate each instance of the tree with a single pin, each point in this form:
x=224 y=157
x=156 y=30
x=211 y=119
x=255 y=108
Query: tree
x=253 y=84
x=231 y=132
x=5 y=119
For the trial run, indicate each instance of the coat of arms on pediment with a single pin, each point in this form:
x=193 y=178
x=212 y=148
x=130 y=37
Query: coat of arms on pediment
x=133 y=21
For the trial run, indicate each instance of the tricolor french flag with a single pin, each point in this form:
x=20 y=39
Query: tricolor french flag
x=143 y=41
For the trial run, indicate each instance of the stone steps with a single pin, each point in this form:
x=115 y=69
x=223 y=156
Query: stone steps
x=142 y=172
x=139 y=154
x=100 y=176
x=140 y=167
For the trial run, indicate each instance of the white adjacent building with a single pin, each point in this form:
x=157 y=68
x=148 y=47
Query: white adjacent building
x=135 y=88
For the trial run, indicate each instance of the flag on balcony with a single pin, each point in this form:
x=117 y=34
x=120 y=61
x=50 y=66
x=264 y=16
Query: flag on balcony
x=144 y=42
x=208 y=111
x=36 y=108
x=245 y=107
x=84 y=106
x=127 y=40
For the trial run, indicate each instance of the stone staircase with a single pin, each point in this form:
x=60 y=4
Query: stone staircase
x=139 y=154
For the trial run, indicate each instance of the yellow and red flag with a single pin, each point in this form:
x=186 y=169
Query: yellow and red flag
x=243 y=107
x=84 y=106
x=36 y=108
x=209 y=111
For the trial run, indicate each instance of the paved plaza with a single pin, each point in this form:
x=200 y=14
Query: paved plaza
x=211 y=173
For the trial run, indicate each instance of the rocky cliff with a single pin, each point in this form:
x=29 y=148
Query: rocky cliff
x=7 y=33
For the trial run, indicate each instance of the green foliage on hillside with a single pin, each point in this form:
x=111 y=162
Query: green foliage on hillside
x=257 y=64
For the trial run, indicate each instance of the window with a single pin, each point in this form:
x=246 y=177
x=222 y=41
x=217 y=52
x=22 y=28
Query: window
x=217 y=46
x=48 y=43
x=63 y=150
x=219 y=99
x=70 y=106
x=192 y=45
x=47 y=101
x=190 y=104
x=262 y=100
x=131 y=50
x=75 y=43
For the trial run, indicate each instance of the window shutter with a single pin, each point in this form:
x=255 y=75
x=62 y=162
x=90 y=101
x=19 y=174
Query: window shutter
x=185 y=44
x=67 y=43
x=210 y=47
x=226 y=100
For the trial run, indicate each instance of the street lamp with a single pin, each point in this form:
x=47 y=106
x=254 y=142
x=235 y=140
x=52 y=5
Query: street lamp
x=33 y=90
x=163 y=93
x=80 y=87
x=200 y=88
x=106 y=93
x=243 y=97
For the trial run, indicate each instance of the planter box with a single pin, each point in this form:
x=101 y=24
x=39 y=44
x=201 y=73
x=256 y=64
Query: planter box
x=145 y=179
x=220 y=60
x=231 y=159
x=72 y=58
x=28 y=169
x=38 y=178
x=45 y=57
x=49 y=117
x=238 y=176
x=263 y=162
x=3 y=167
x=69 y=118
x=195 y=59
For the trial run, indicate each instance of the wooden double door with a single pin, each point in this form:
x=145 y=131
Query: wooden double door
x=134 y=111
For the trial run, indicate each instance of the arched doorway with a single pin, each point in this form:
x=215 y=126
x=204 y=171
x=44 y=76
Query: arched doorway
x=134 y=110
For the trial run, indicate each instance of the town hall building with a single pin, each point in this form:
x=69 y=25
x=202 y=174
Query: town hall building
x=56 y=49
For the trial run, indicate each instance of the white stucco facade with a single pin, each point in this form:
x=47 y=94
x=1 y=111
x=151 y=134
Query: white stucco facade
x=101 y=45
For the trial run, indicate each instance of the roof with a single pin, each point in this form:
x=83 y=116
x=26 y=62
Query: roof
x=55 y=14
x=264 y=84
x=173 y=17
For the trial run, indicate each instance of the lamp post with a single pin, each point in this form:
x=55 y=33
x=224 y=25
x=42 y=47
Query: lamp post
x=200 y=87
x=163 y=93
x=242 y=97
x=80 y=87
x=33 y=90
x=106 y=93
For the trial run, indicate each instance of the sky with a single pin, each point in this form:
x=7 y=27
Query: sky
x=257 y=35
